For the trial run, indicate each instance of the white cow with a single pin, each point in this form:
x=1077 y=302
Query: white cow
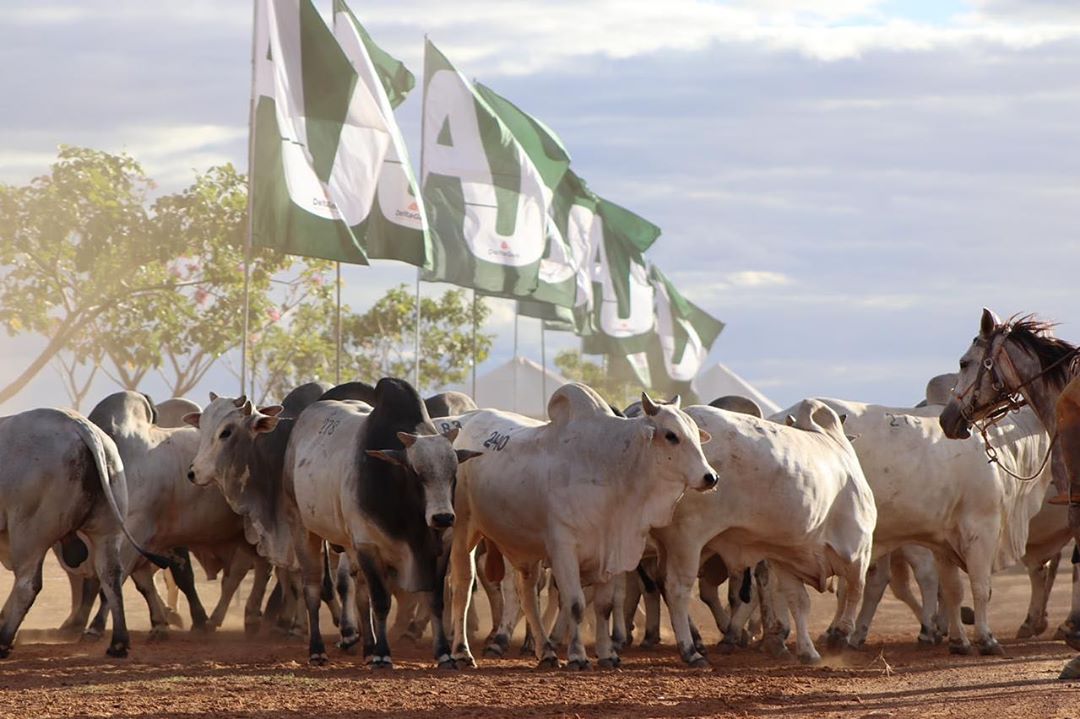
x=581 y=491
x=943 y=494
x=794 y=496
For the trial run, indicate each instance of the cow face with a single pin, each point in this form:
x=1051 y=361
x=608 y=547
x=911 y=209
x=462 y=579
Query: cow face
x=675 y=442
x=434 y=461
x=227 y=430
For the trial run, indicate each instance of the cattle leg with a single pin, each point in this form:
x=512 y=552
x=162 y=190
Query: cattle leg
x=183 y=572
x=253 y=607
x=346 y=589
x=603 y=604
x=1041 y=577
x=877 y=580
x=436 y=602
x=380 y=609
x=23 y=592
x=530 y=602
x=108 y=567
x=619 y=634
x=710 y=595
x=566 y=571
x=143 y=577
x=926 y=576
x=494 y=593
x=508 y=618
x=980 y=557
x=734 y=633
x=1070 y=629
x=775 y=626
x=952 y=593
x=854 y=586
x=630 y=604
x=798 y=602
x=462 y=574
x=230 y=582
x=680 y=570
x=97 y=625
x=309 y=553
x=83 y=592
x=363 y=614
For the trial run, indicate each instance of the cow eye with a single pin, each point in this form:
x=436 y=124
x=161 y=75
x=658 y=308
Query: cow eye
x=225 y=433
x=671 y=437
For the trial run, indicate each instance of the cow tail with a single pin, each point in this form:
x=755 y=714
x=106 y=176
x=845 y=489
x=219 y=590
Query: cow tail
x=327 y=577
x=745 y=587
x=109 y=467
x=646 y=581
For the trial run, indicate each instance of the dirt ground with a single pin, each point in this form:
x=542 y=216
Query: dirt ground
x=225 y=674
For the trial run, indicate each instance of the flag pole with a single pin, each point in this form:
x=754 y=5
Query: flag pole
x=474 y=345
x=416 y=343
x=515 y=356
x=250 y=184
x=543 y=365
x=337 y=341
x=420 y=188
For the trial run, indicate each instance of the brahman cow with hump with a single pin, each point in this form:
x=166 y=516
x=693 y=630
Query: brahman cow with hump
x=794 y=496
x=943 y=494
x=59 y=474
x=581 y=491
x=375 y=482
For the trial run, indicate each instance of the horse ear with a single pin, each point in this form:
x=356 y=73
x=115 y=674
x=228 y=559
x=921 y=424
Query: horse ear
x=988 y=323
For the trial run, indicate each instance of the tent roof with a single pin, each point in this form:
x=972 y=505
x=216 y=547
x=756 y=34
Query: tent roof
x=495 y=388
x=720 y=380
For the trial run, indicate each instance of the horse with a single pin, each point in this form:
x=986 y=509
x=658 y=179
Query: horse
x=1009 y=364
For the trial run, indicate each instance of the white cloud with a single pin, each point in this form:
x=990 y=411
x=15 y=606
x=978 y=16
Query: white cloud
x=757 y=278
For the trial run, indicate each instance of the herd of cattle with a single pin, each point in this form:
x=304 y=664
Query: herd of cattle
x=363 y=497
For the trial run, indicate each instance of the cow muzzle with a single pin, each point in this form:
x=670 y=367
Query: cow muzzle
x=709 y=481
x=444 y=520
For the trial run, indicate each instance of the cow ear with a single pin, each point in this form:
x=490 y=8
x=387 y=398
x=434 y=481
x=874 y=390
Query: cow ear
x=213 y=396
x=192 y=418
x=263 y=422
x=843 y=418
x=988 y=323
x=705 y=436
x=452 y=434
x=675 y=401
x=464 y=455
x=789 y=421
x=648 y=405
x=407 y=439
x=273 y=410
x=393 y=456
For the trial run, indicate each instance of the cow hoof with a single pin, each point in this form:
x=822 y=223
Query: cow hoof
x=967 y=615
x=725 y=647
x=251 y=629
x=1071 y=670
x=960 y=647
x=203 y=626
x=447 y=664
x=577 y=665
x=174 y=619
x=836 y=641
x=1073 y=640
x=548 y=663
x=319 y=659
x=382 y=663
x=810 y=658
x=1028 y=630
x=90 y=635
x=349 y=645
x=608 y=663
x=464 y=663
x=650 y=642
x=158 y=634
x=117 y=651
x=991 y=647
x=699 y=663
x=5 y=652
x=494 y=651
x=775 y=647
x=925 y=642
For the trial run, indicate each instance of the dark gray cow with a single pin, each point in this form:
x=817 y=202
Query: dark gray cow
x=59 y=474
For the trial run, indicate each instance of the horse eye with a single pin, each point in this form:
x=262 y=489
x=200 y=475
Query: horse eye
x=225 y=433
x=671 y=437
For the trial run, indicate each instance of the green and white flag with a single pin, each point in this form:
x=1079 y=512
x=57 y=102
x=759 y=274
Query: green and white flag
x=324 y=139
x=685 y=334
x=395 y=228
x=486 y=199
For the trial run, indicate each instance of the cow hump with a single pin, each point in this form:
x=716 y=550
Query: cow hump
x=575 y=401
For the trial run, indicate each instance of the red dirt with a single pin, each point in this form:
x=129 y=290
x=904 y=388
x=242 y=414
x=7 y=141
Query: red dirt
x=226 y=674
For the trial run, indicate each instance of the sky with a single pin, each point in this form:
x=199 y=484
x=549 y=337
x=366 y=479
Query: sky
x=845 y=183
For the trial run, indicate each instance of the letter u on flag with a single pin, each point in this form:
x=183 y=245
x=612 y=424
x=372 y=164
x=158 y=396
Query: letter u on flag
x=487 y=201
x=329 y=169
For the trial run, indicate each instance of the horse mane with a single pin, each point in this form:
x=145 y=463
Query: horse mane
x=1036 y=337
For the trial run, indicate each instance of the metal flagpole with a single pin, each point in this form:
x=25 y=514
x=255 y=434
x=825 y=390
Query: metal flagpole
x=420 y=189
x=250 y=179
x=515 y=357
x=474 y=345
x=337 y=342
x=543 y=366
x=416 y=344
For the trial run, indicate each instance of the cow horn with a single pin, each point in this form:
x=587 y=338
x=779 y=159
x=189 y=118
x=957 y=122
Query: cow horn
x=239 y=401
x=213 y=396
x=246 y=409
x=675 y=401
x=650 y=407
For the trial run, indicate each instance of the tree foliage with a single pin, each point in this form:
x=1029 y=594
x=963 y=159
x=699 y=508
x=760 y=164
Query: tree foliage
x=576 y=367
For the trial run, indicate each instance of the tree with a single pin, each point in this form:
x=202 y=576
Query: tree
x=73 y=244
x=376 y=343
x=574 y=366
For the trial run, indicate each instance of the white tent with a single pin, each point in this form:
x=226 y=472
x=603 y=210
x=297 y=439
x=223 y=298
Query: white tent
x=720 y=381
x=518 y=385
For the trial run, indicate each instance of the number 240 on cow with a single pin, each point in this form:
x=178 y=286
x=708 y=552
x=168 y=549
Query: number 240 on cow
x=497 y=441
